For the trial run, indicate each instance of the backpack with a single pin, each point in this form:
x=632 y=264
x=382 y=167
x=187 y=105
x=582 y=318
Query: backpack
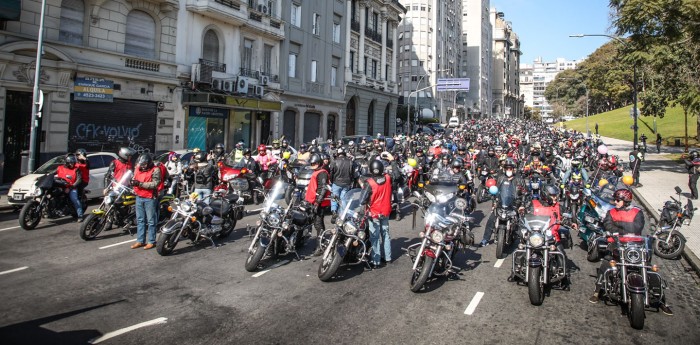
x=164 y=176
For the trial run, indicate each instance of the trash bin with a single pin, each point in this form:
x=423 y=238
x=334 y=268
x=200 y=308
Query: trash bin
x=24 y=163
x=678 y=142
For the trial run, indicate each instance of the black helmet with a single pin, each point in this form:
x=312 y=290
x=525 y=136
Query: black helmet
x=315 y=159
x=200 y=157
x=302 y=147
x=81 y=152
x=509 y=163
x=376 y=167
x=247 y=151
x=457 y=163
x=340 y=151
x=145 y=161
x=462 y=148
x=285 y=143
x=125 y=153
x=219 y=149
x=325 y=156
x=491 y=151
x=551 y=190
x=694 y=154
x=313 y=149
x=71 y=160
x=419 y=150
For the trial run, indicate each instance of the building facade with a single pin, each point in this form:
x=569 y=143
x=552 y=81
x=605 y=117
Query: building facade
x=108 y=77
x=527 y=84
x=476 y=55
x=506 y=98
x=543 y=73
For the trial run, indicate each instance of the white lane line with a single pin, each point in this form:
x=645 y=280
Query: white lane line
x=271 y=268
x=113 y=334
x=475 y=302
x=10 y=228
x=116 y=244
x=14 y=270
x=499 y=262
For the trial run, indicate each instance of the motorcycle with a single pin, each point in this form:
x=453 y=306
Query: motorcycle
x=116 y=209
x=669 y=242
x=242 y=181
x=196 y=219
x=482 y=192
x=631 y=281
x=545 y=265
x=446 y=227
x=590 y=220
x=506 y=218
x=50 y=200
x=280 y=230
x=349 y=239
x=573 y=197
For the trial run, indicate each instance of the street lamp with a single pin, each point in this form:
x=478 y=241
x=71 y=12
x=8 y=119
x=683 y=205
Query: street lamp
x=408 y=100
x=634 y=77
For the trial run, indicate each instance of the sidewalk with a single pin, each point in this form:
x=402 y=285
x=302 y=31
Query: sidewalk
x=659 y=175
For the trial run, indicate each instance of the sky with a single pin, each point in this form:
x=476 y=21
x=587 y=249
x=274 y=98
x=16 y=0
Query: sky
x=544 y=26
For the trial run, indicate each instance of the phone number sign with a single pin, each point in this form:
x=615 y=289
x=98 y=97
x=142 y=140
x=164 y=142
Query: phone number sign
x=93 y=89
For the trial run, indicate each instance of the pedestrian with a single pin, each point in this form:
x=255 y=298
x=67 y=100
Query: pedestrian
x=145 y=182
x=636 y=158
x=658 y=143
x=342 y=170
x=693 y=166
x=315 y=195
x=596 y=128
x=376 y=195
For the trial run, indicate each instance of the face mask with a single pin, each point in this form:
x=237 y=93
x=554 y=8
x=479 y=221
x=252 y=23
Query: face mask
x=509 y=173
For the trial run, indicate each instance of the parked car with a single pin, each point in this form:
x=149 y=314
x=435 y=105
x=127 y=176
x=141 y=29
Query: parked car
x=22 y=188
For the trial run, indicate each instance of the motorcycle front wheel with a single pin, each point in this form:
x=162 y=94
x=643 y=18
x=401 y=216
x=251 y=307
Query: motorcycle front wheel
x=636 y=310
x=166 y=243
x=535 y=289
x=252 y=261
x=671 y=250
x=30 y=215
x=501 y=243
x=329 y=265
x=480 y=194
x=92 y=226
x=420 y=275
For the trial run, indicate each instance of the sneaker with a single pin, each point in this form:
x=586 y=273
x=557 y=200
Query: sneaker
x=484 y=243
x=665 y=309
x=594 y=299
x=80 y=219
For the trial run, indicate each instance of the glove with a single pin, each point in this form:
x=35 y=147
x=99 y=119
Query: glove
x=135 y=183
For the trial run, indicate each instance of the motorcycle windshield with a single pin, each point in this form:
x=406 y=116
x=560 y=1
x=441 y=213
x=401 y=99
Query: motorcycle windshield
x=437 y=213
x=442 y=188
x=124 y=181
x=350 y=203
x=277 y=193
x=506 y=195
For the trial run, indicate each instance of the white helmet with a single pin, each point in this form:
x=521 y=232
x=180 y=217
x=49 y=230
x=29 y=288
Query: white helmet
x=437 y=143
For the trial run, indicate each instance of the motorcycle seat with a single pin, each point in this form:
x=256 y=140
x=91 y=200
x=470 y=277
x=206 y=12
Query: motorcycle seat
x=219 y=206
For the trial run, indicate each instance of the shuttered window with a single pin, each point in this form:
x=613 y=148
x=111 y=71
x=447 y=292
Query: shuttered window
x=140 y=35
x=210 y=46
x=72 y=19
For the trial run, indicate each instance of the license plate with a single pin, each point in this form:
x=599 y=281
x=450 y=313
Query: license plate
x=18 y=196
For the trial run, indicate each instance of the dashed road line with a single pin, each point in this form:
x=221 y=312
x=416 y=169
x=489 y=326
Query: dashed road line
x=14 y=270
x=116 y=244
x=10 y=228
x=475 y=302
x=113 y=334
x=271 y=268
x=499 y=262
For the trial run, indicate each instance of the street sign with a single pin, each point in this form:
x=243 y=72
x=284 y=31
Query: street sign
x=453 y=84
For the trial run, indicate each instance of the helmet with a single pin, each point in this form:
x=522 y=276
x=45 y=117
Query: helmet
x=602 y=182
x=201 y=157
x=325 y=156
x=437 y=143
x=624 y=195
x=302 y=147
x=551 y=190
x=509 y=163
x=315 y=159
x=376 y=167
x=246 y=151
x=351 y=144
x=491 y=151
x=462 y=148
x=498 y=149
x=125 y=153
x=262 y=149
x=412 y=162
x=694 y=154
x=145 y=161
x=172 y=155
x=419 y=150
x=239 y=145
x=547 y=151
x=313 y=149
x=602 y=149
x=567 y=150
x=286 y=155
x=219 y=149
x=276 y=143
x=329 y=141
x=628 y=180
x=340 y=151
x=457 y=163
x=81 y=152
x=285 y=143
x=70 y=160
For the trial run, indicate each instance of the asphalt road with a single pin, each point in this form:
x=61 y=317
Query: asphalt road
x=72 y=291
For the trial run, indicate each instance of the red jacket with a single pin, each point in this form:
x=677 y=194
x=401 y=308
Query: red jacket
x=68 y=174
x=144 y=177
x=120 y=168
x=84 y=171
x=554 y=215
x=311 y=189
x=380 y=202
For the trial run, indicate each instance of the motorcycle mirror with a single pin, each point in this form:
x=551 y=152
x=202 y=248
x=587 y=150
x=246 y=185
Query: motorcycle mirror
x=678 y=190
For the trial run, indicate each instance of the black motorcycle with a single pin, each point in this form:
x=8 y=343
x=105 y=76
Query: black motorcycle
x=507 y=218
x=669 y=242
x=50 y=200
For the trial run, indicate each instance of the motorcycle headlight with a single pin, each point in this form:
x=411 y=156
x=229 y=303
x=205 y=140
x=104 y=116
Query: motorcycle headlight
x=633 y=255
x=109 y=199
x=536 y=240
x=444 y=197
x=273 y=219
x=37 y=191
x=437 y=236
x=349 y=228
x=430 y=196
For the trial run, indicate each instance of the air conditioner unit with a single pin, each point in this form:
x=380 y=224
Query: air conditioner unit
x=264 y=80
x=242 y=85
x=259 y=91
x=262 y=8
x=217 y=84
x=229 y=85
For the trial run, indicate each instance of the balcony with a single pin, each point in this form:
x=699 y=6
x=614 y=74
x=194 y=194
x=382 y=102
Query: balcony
x=355 y=25
x=141 y=64
x=240 y=13
x=373 y=35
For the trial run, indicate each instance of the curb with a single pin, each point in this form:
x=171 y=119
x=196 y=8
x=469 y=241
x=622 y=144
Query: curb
x=689 y=256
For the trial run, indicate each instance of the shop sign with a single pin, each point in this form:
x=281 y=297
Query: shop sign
x=93 y=89
x=209 y=112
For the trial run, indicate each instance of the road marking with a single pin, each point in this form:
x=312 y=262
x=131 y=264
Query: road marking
x=113 y=334
x=475 y=302
x=10 y=228
x=271 y=268
x=14 y=270
x=499 y=262
x=116 y=244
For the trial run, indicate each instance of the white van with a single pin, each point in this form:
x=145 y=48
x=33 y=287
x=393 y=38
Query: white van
x=454 y=122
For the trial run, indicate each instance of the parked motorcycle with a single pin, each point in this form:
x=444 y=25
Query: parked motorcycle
x=590 y=219
x=50 y=200
x=630 y=280
x=196 y=219
x=537 y=261
x=280 y=231
x=669 y=242
x=349 y=238
x=117 y=209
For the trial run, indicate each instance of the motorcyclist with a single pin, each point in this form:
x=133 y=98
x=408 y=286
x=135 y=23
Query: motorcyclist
x=173 y=164
x=218 y=154
x=70 y=173
x=249 y=163
x=692 y=164
x=303 y=155
x=145 y=182
x=118 y=167
x=315 y=195
x=265 y=159
x=238 y=152
x=548 y=205
x=83 y=165
x=490 y=161
x=576 y=169
x=507 y=177
x=341 y=172
x=376 y=195
x=203 y=172
x=276 y=149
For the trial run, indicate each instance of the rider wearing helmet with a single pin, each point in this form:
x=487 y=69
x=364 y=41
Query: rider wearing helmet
x=316 y=195
x=118 y=167
x=238 y=151
x=507 y=178
x=145 y=182
x=276 y=150
x=70 y=173
x=490 y=161
x=341 y=172
x=202 y=172
x=693 y=166
x=83 y=165
x=304 y=155
x=376 y=195
x=218 y=153
x=264 y=158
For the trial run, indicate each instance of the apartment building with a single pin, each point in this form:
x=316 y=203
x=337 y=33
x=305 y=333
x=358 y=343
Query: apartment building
x=506 y=98
x=476 y=55
x=543 y=72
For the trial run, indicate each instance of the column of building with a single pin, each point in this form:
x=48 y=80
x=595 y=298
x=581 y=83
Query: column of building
x=395 y=43
x=348 y=38
x=382 y=69
x=361 y=44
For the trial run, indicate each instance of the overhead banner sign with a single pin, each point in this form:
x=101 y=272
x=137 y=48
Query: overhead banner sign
x=453 y=84
x=93 y=89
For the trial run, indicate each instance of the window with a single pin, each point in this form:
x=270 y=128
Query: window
x=352 y=62
x=72 y=18
x=365 y=66
x=334 y=74
x=296 y=15
x=140 y=35
x=267 y=60
x=247 y=55
x=292 y=65
x=210 y=46
x=314 y=64
x=374 y=69
x=96 y=161
x=375 y=21
x=414 y=78
x=336 y=33
x=414 y=63
x=316 y=24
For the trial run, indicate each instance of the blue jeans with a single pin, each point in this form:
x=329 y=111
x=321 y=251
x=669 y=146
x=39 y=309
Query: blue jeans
x=146 y=215
x=75 y=199
x=379 y=229
x=339 y=191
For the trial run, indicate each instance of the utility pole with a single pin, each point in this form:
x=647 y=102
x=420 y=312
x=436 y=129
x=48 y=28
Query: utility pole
x=37 y=98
